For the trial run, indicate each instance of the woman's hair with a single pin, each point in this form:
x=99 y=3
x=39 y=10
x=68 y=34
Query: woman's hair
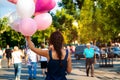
x=56 y=39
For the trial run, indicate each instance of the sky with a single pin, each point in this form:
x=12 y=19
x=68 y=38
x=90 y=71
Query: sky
x=6 y=8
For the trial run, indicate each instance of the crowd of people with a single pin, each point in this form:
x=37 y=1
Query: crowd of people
x=32 y=59
x=55 y=61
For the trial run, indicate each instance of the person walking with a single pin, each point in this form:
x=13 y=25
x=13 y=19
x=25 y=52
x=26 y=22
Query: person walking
x=43 y=61
x=31 y=59
x=8 y=52
x=17 y=61
x=59 y=60
x=1 y=56
x=90 y=57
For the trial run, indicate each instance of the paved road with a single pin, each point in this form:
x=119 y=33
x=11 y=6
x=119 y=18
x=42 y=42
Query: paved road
x=78 y=72
x=107 y=73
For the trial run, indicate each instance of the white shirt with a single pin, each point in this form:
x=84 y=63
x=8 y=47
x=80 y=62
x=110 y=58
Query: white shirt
x=32 y=56
x=42 y=58
x=17 y=56
x=1 y=53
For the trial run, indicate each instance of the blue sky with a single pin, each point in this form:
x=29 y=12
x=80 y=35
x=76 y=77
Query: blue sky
x=6 y=8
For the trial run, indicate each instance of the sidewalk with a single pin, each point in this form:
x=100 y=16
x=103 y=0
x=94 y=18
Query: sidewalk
x=8 y=73
x=79 y=75
x=78 y=72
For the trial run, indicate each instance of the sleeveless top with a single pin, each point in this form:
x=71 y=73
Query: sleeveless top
x=55 y=70
x=8 y=53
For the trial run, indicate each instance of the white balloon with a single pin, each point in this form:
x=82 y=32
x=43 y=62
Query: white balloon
x=14 y=21
x=25 y=8
x=13 y=17
x=15 y=25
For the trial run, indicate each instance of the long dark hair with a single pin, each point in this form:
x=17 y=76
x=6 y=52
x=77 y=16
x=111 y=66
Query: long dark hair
x=56 y=39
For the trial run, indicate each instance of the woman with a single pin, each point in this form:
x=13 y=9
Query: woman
x=8 y=52
x=1 y=55
x=59 y=61
x=43 y=61
x=31 y=59
x=17 y=61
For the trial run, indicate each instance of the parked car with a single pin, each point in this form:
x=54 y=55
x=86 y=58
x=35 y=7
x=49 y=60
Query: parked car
x=97 y=51
x=116 y=51
x=79 y=52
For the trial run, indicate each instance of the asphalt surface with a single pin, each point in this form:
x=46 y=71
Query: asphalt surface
x=78 y=72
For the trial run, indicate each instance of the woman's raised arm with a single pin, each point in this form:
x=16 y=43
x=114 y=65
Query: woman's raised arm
x=36 y=50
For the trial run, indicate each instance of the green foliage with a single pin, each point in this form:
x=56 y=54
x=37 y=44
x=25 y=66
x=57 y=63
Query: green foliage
x=3 y=25
x=100 y=21
x=42 y=36
x=9 y=36
x=110 y=10
x=95 y=22
x=64 y=22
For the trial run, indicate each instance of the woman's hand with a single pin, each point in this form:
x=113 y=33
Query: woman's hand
x=28 y=38
x=34 y=49
x=29 y=42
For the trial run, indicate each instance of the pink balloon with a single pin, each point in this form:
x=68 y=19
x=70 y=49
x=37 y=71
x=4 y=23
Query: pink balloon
x=13 y=1
x=43 y=20
x=44 y=5
x=28 y=26
x=35 y=1
x=37 y=13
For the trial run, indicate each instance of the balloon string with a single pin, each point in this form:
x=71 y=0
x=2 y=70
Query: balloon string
x=26 y=44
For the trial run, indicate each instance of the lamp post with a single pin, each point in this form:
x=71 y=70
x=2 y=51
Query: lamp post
x=119 y=34
x=75 y=23
x=94 y=10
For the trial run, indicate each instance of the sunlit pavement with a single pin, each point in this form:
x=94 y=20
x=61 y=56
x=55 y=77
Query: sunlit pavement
x=109 y=73
x=78 y=72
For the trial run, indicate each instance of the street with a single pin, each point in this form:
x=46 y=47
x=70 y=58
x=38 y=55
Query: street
x=78 y=72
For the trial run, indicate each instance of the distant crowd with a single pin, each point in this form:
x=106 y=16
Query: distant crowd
x=17 y=56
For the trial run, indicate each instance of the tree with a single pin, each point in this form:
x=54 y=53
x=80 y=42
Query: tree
x=9 y=36
x=100 y=20
x=63 y=22
x=42 y=36
x=63 y=19
x=111 y=16
x=3 y=27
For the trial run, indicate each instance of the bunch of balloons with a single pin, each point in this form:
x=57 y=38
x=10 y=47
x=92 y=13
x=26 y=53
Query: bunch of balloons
x=22 y=20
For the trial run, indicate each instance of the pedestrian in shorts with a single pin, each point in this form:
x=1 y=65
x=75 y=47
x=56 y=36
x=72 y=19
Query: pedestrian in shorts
x=43 y=61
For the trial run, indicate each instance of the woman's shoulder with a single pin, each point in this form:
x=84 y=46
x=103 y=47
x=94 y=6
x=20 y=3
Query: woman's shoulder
x=66 y=53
